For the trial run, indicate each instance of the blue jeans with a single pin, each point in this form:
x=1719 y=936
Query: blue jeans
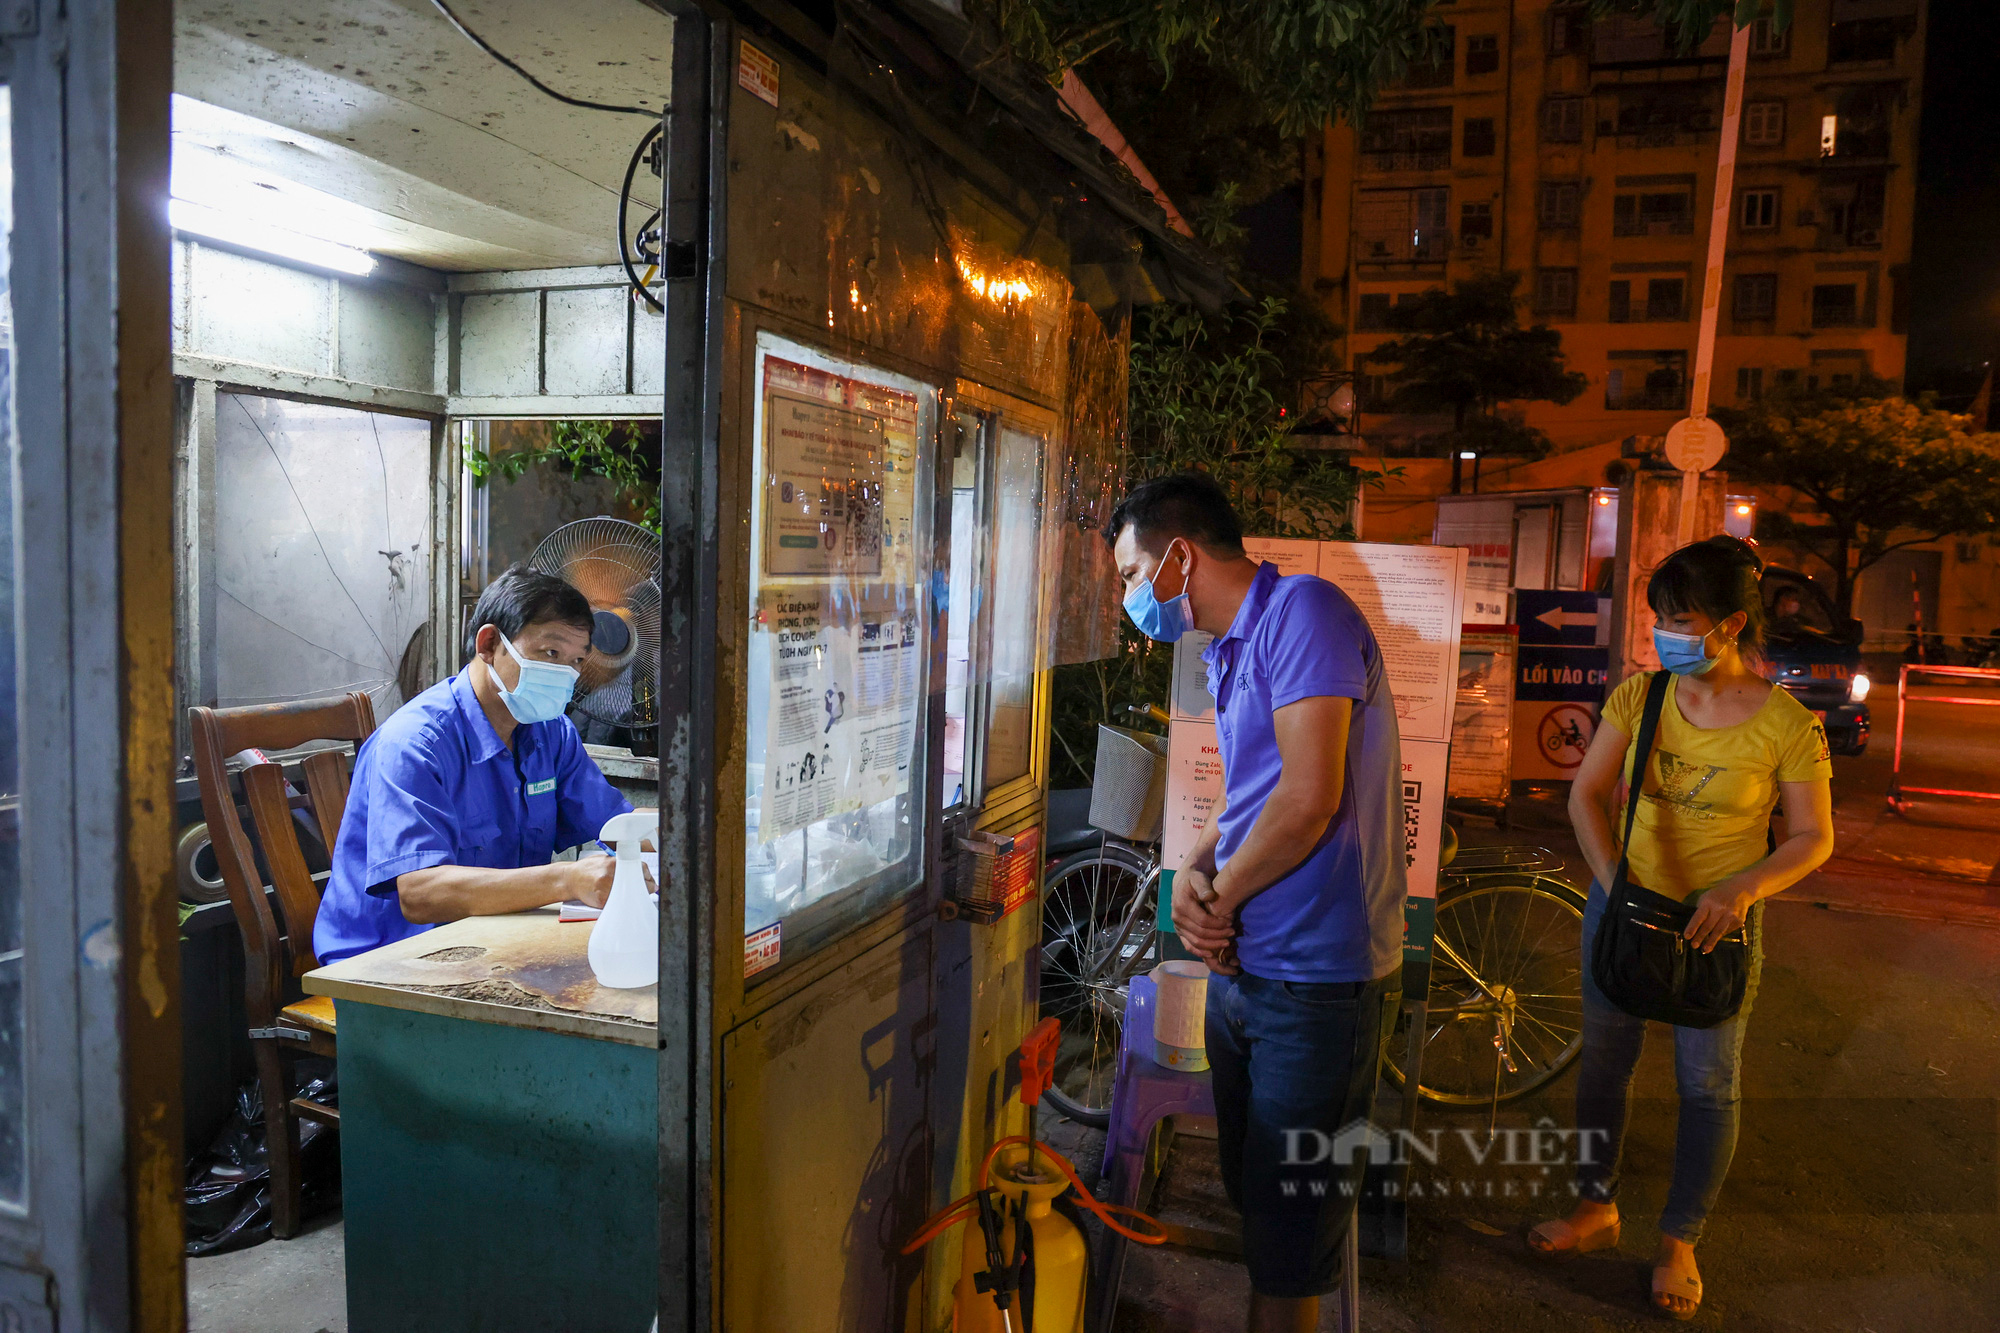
x=1705 y=1068
x=1294 y=1063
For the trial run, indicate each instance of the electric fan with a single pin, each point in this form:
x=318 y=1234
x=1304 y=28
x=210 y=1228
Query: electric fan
x=616 y=566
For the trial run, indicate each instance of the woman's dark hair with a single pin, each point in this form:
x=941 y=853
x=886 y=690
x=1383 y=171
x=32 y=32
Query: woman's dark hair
x=524 y=596
x=1717 y=578
x=1184 y=504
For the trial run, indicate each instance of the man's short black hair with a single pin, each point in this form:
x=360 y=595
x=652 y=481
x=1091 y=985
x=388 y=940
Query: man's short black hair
x=524 y=596
x=1184 y=504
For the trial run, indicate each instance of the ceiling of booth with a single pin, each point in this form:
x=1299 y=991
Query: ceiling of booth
x=376 y=120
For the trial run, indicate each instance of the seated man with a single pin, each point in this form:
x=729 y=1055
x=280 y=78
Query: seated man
x=459 y=800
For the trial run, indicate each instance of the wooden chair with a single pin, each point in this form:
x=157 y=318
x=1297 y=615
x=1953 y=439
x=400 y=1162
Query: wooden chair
x=281 y=1027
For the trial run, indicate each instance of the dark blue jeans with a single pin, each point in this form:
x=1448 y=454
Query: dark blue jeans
x=1294 y=1063
x=1705 y=1068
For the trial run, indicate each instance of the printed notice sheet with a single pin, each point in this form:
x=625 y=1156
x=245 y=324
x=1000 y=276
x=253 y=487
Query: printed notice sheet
x=1411 y=596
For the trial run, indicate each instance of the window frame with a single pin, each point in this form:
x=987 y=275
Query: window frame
x=1563 y=308
x=1489 y=137
x=1769 y=214
x=1548 y=219
x=1482 y=45
x=1746 y=283
x=1758 y=131
x=1556 y=118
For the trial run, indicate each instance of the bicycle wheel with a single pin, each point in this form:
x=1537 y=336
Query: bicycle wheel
x=1506 y=985
x=1097 y=934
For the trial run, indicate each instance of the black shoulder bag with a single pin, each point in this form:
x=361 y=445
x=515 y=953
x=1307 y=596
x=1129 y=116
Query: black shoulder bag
x=1641 y=959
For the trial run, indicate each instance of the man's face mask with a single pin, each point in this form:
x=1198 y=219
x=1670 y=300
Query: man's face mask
x=542 y=691
x=1165 y=621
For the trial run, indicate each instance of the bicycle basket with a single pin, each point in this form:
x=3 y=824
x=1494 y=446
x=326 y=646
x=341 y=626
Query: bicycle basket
x=1128 y=798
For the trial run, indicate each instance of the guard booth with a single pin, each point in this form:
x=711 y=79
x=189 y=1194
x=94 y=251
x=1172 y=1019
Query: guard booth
x=881 y=341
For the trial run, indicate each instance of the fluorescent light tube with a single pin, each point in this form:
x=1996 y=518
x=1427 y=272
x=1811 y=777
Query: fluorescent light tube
x=201 y=220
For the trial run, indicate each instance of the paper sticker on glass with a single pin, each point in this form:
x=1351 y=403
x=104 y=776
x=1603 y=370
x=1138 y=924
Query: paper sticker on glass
x=839 y=640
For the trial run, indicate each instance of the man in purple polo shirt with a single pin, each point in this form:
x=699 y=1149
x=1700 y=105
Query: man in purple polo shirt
x=1294 y=893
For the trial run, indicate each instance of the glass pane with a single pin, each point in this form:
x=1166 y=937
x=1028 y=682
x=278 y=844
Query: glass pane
x=1017 y=546
x=839 y=638
x=13 y=1111
x=961 y=616
x=323 y=552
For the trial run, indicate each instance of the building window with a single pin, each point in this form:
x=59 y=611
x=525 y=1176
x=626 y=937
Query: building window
x=1850 y=212
x=1758 y=210
x=1756 y=296
x=1860 y=124
x=1569 y=32
x=1749 y=383
x=1478 y=137
x=1835 y=305
x=1764 y=124
x=1653 y=213
x=1861 y=41
x=1666 y=299
x=1562 y=120
x=1482 y=54
x=1413 y=139
x=1767 y=40
x=1555 y=291
x=1620 y=309
x=1646 y=382
x=1556 y=205
x=1434 y=71
x=1401 y=226
x=1665 y=114
x=1374 y=311
x=1475 y=223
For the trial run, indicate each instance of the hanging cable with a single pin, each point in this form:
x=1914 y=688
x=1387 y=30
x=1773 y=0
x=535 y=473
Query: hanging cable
x=653 y=227
x=564 y=98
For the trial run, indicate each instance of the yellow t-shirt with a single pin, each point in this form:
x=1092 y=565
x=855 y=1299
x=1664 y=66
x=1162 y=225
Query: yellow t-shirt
x=1706 y=804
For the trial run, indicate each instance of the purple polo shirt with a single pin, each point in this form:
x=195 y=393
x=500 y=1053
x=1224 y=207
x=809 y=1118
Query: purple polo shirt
x=1338 y=915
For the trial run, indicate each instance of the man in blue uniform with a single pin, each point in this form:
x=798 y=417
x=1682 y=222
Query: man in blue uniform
x=1294 y=893
x=459 y=800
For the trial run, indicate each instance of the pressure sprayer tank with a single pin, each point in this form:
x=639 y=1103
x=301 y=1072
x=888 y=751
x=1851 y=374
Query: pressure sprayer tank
x=625 y=939
x=1061 y=1257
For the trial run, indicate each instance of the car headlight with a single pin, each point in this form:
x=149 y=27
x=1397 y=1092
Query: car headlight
x=1857 y=689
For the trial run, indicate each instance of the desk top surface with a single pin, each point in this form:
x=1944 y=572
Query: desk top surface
x=526 y=970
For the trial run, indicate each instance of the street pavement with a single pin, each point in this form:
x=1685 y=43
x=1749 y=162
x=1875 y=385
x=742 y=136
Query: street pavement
x=1865 y=1193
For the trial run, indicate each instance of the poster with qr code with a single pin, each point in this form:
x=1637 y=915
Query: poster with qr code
x=1424 y=766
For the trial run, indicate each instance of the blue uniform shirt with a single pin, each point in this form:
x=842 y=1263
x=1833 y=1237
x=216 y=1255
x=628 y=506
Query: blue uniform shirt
x=1338 y=915
x=436 y=786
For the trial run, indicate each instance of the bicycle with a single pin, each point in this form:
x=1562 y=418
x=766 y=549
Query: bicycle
x=1505 y=1012
x=1099 y=907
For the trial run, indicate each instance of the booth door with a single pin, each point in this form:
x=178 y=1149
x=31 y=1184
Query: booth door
x=890 y=707
x=90 y=1141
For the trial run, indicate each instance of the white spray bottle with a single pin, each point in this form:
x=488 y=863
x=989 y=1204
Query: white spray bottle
x=625 y=939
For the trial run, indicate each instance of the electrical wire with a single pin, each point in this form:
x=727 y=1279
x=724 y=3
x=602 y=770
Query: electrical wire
x=624 y=201
x=564 y=98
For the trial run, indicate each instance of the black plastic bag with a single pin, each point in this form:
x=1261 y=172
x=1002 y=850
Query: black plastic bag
x=228 y=1190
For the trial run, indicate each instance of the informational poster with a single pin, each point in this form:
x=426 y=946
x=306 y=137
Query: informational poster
x=1484 y=530
x=1194 y=784
x=842 y=705
x=1411 y=596
x=1482 y=728
x=1424 y=778
x=824 y=481
x=1290 y=556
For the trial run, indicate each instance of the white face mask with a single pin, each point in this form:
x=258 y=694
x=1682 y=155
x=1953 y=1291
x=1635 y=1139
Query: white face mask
x=541 y=692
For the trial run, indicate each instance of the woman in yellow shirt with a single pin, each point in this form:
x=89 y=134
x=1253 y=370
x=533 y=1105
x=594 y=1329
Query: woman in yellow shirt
x=1729 y=747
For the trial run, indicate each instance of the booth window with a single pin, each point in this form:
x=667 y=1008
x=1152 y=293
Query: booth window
x=839 y=640
x=13 y=964
x=993 y=621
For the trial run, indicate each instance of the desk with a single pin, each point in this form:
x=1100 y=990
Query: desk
x=499 y=1132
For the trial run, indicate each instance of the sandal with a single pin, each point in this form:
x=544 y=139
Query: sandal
x=1560 y=1240
x=1667 y=1282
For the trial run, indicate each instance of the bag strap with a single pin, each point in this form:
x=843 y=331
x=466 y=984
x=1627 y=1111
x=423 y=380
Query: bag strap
x=1649 y=725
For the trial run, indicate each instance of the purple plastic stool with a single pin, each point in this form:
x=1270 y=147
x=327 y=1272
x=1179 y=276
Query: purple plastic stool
x=1142 y=1093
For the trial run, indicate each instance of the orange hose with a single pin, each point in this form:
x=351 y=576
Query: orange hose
x=958 y=1210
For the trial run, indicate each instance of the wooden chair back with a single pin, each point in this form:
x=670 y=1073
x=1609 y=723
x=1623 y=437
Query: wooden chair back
x=275 y=957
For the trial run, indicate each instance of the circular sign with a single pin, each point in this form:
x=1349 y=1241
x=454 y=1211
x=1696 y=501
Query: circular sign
x=1564 y=734
x=1696 y=444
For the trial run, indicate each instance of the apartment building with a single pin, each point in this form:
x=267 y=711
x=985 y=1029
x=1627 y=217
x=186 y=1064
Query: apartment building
x=1581 y=155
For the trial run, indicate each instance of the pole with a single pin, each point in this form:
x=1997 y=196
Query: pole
x=1718 y=241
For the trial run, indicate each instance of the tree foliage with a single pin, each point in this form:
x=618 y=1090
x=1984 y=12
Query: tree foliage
x=1883 y=471
x=1301 y=62
x=614 y=450
x=1464 y=352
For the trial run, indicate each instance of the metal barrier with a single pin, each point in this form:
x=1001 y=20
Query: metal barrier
x=1897 y=789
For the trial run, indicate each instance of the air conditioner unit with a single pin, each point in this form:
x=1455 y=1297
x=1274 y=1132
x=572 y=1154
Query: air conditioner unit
x=1472 y=242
